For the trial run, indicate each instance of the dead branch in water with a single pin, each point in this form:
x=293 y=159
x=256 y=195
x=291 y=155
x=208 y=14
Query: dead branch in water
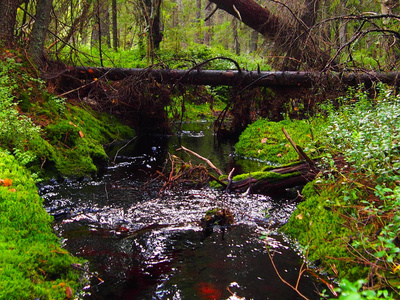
x=295 y=288
x=182 y=172
x=219 y=172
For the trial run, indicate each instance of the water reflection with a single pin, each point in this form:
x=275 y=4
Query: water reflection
x=150 y=246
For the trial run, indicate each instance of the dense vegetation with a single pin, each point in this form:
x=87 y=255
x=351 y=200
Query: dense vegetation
x=41 y=135
x=45 y=132
x=348 y=224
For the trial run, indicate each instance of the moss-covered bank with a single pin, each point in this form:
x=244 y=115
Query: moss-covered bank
x=32 y=263
x=41 y=136
x=349 y=223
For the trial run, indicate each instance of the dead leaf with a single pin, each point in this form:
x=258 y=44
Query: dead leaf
x=81 y=134
x=68 y=292
x=279 y=155
x=299 y=217
x=7 y=182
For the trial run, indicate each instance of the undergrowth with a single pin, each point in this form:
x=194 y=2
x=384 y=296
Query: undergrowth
x=41 y=135
x=32 y=264
x=350 y=222
x=47 y=134
x=164 y=58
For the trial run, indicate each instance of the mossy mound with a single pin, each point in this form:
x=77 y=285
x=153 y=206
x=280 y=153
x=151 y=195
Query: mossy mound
x=320 y=225
x=78 y=140
x=32 y=263
x=264 y=140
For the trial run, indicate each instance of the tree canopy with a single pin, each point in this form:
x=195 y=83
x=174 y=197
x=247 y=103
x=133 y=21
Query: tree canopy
x=287 y=34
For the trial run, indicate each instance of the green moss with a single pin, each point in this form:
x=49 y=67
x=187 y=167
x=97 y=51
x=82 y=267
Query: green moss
x=324 y=235
x=32 y=264
x=265 y=140
x=73 y=144
x=265 y=175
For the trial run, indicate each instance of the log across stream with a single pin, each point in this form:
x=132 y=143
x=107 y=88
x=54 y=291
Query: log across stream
x=144 y=245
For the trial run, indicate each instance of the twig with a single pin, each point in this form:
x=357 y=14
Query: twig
x=211 y=14
x=283 y=280
x=229 y=179
x=116 y=154
x=83 y=86
x=105 y=190
x=299 y=150
x=219 y=172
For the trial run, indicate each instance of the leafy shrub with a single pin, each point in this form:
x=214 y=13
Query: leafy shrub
x=367 y=132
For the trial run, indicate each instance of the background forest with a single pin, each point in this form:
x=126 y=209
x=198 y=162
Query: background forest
x=309 y=34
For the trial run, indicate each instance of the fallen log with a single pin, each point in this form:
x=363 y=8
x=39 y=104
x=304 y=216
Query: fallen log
x=234 y=78
x=266 y=183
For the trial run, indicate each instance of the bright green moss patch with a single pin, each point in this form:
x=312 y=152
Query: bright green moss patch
x=265 y=175
x=78 y=140
x=325 y=234
x=264 y=140
x=32 y=264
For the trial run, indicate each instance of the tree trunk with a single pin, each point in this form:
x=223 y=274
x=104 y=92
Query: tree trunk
x=101 y=27
x=235 y=25
x=8 y=14
x=208 y=25
x=114 y=24
x=77 y=24
x=198 y=21
x=39 y=31
x=243 y=78
x=300 y=48
x=253 y=41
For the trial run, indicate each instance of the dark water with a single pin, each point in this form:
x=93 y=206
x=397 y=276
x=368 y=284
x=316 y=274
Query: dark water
x=144 y=245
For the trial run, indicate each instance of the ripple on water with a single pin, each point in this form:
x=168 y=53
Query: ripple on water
x=148 y=246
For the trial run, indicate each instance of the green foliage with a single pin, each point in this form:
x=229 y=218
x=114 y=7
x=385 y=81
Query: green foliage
x=32 y=264
x=184 y=58
x=350 y=219
x=367 y=132
x=69 y=142
x=353 y=291
x=264 y=140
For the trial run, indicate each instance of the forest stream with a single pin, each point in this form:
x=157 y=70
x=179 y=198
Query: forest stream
x=143 y=245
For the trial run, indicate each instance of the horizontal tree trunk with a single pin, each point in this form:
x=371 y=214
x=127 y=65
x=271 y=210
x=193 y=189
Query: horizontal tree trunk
x=301 y=174
x=233 y=77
